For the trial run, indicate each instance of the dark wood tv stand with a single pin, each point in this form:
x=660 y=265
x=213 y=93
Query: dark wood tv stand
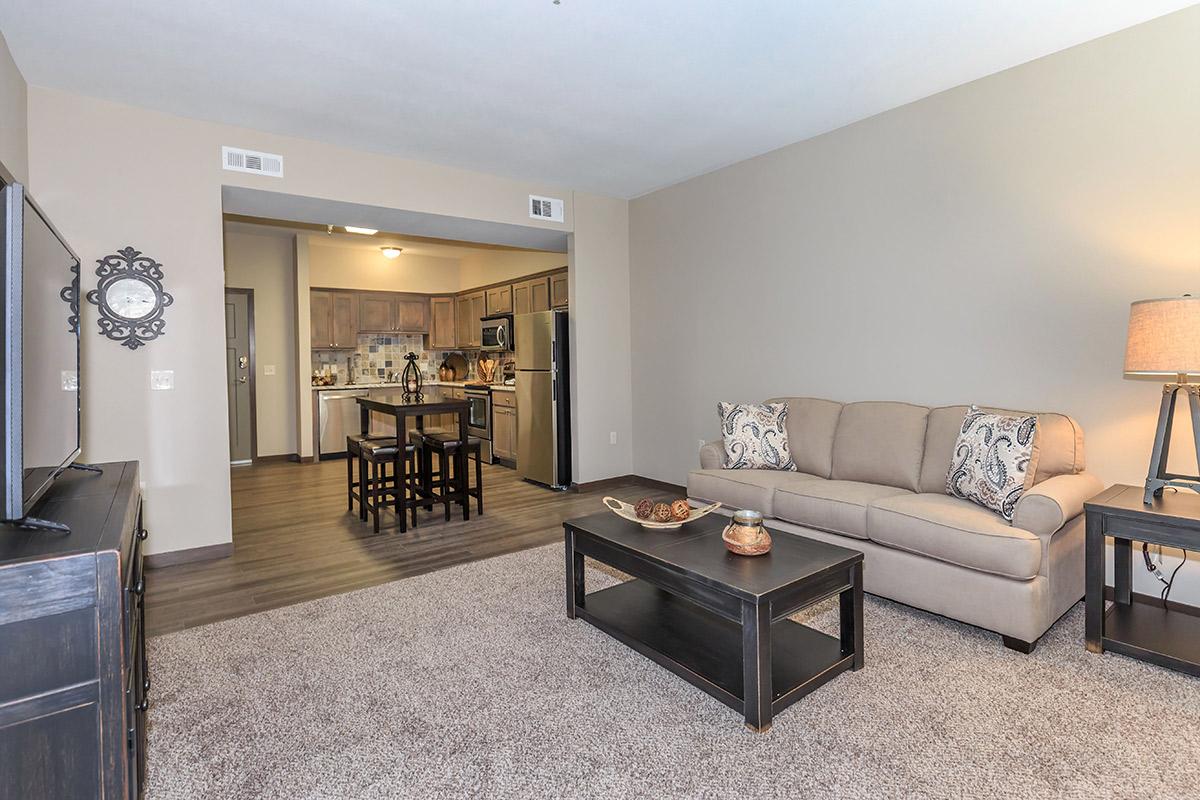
x=73 y=677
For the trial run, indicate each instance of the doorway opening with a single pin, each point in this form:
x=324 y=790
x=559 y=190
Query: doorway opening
x=239 y=376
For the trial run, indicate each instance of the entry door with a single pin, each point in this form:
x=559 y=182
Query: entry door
x=239 y=373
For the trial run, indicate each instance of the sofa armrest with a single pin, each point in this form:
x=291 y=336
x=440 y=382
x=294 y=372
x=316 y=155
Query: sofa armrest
x=712 y=455
x=1054 y=502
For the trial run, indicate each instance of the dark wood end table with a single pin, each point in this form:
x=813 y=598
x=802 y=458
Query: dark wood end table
x=716 y=619
x=1138 y=625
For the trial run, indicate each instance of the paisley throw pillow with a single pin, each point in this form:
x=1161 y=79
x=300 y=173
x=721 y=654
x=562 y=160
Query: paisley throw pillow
x=995 y=459
x=755 y=436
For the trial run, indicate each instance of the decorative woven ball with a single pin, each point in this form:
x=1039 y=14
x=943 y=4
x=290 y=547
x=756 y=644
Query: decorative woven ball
x=661 y=512
x=643 y=508
x=680 y=510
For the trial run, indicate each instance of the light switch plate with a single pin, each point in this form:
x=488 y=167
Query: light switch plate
x=70 y=380
x=268 y=369
x=162 y=379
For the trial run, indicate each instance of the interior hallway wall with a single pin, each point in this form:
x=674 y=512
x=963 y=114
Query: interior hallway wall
x=264 y=261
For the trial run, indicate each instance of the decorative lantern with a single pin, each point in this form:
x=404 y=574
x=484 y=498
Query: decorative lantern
x=411 y=378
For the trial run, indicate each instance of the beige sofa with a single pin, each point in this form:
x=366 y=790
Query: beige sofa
x=872 y=477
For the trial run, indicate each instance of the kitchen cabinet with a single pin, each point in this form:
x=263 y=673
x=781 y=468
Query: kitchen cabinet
x=469 y=308
x=332 y=320
x=412 y=314
x=531 y=295
x=500 y=300
x=504 y=433
x=559 y=290
x=442 y=331
x=392 y=312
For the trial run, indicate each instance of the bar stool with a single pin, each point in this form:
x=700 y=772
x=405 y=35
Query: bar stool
x=354 y=454
x=378 y=455
x=446 y=445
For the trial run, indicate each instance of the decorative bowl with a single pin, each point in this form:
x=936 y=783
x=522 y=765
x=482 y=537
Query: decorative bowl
x=627 y=511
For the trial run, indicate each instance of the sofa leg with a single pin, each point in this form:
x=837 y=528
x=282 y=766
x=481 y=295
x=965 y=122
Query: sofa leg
x=1020 y=645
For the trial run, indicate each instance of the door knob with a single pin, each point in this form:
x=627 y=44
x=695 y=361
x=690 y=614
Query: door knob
x=242 y=379
x=243 y=362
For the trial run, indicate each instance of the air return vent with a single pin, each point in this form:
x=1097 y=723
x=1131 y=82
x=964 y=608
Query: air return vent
x=547 y=208
x=239 y=160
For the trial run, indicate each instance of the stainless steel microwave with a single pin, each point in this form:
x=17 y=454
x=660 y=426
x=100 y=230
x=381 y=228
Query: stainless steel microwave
x=497 y=332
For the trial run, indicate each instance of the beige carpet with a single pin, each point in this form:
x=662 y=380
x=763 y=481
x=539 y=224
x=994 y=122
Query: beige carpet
x=471 y=682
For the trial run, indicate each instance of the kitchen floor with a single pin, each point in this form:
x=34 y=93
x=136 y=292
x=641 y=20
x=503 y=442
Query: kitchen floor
x=294 y=541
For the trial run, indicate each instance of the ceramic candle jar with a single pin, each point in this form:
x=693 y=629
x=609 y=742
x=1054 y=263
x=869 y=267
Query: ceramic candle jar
x=746 y=535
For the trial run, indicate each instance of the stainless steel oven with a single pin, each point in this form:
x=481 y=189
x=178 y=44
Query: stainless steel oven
x=496 y=332
x=479 y=419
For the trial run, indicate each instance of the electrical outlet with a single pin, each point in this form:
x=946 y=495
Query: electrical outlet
x=268 y=369
x=612 y=437
x=162 y=379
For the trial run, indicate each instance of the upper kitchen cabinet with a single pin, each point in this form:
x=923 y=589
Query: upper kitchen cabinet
x=442 y=332
x=559 y=290
x=412 y=314
x=391 y=312
x=468 y=309
x=531 y=295
x=333 y=320
x=500 y=300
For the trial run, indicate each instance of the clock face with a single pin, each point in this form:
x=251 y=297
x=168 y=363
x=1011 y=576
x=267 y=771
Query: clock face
x=130 y=298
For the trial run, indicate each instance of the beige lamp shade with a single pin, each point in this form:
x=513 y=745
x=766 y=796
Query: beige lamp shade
x=1164 y=337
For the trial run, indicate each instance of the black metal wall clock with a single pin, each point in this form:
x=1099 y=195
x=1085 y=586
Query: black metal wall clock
x=130 y=297
x=70 y=295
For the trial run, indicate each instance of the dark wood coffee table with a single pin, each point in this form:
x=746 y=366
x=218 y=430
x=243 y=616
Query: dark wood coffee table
x=717 y=619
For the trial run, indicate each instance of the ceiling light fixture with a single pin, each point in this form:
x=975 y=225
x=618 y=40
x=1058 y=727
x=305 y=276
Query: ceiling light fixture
x=390 y=252
x=363 y=231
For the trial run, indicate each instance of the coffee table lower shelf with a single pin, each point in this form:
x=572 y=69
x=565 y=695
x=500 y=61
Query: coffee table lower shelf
x=706 y=649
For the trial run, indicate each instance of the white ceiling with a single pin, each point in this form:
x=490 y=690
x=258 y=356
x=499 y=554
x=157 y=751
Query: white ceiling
x=612 y=96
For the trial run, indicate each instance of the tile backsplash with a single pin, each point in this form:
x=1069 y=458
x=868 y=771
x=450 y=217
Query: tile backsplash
x=380 y=356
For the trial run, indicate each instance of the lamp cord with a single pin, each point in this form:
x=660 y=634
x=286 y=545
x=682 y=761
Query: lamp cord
x=1166 y=592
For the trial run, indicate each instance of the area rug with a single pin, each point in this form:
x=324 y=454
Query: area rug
x=471 y=683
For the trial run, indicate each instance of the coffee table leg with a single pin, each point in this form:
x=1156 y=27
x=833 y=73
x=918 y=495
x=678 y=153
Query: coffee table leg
x=851 y=602
x=757 y=691
x=575 y=589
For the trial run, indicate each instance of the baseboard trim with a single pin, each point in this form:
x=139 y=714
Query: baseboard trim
x=277 y=459
x=608 y=483
x=176 y=557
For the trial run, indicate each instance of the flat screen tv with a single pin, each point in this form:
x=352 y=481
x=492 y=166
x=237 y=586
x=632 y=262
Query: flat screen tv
x=41 y=353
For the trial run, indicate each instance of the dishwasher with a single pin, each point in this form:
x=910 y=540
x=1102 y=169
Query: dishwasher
x=338 y=417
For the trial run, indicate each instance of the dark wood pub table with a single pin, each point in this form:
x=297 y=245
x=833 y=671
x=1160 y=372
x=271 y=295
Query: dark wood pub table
x=716 y=619
x=401 y=406
x=1138 y=625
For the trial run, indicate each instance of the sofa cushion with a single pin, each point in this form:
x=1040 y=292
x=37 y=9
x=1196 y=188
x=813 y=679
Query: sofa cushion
x=834 y=506
x=742 y=488
x=955 y=531
x=994 y=460
x=811 y=424
x=1059 y=444
x=879 y=442
x=755 y=436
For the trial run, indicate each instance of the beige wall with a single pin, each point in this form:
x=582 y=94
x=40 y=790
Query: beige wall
x=111 y=175
x=360 y=268
x=264 y=261
x=494 y=266
x=982 y=245
x=600 y=337
x=14 y=152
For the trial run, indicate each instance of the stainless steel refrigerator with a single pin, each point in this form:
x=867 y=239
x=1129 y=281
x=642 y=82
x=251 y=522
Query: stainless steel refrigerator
x=543 y=398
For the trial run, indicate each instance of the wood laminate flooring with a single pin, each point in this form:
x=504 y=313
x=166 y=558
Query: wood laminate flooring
x=294 y=541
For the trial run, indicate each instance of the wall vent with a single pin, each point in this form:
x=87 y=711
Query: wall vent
x=239 y=160
x=547 y=208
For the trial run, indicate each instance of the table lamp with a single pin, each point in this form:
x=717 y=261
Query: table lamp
x=1164 y=339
